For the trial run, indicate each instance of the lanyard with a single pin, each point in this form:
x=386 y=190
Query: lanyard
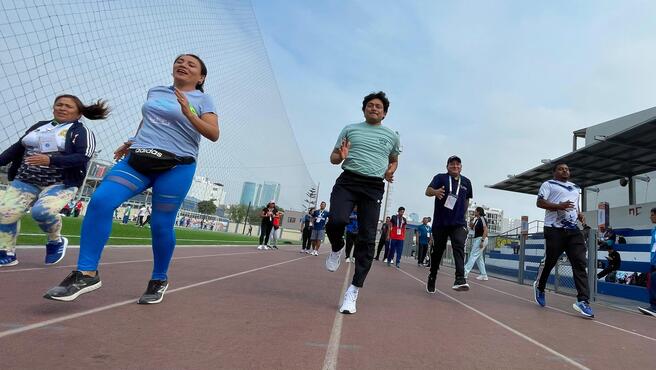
x=451 y=186
x=398 y=222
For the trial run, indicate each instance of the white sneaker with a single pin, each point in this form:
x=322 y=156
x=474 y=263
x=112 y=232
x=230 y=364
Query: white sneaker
x=260 y=247
x=348 y=260
x=266 y=247
x=333 y=260
x=348 y=304
x=482 y=277
x=352 y=259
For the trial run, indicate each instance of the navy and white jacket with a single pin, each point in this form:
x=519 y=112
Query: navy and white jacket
x=78 y=149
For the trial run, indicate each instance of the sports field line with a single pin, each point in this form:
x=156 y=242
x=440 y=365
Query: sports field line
x=499 y=323
x=148 y=238
x=45 y=323
x=566 y=312
x=126 y=262
x=332 y=351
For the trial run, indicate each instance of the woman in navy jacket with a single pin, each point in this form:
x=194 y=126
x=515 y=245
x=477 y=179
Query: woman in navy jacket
x=48 y=165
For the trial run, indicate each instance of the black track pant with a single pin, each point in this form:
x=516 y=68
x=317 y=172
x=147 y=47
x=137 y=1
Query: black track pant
x=571 y=242
x=366 y=192
x=458 y=235
x=265 y=231
x=306 y=238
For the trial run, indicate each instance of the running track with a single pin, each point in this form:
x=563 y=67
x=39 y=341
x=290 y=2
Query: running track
x=239 y=308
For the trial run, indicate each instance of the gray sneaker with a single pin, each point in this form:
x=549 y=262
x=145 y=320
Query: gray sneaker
x=333 y=260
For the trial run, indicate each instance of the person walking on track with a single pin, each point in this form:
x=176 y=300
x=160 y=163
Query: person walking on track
x=48 y=165
x=452 y=193
x=397 y=228
x=161 y=156
x=651 y=285
x=479 y=242
x=560 y=199
x=368 y=153
x=319 y=219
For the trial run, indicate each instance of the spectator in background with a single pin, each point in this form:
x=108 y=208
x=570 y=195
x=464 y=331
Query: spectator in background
x=479 y=242
x=66 y=211
x=351 y=234
x=141 y=216
x=319 y=219
x=651 y=280
x=250 y=230
x=398 y=224
x=78 y=208
x=306 y=230
x=276 y=231
x=266 y=224
x=608 y=240
x=384 y=241
x=126 y=214
x=423 y=237
x=614 y=262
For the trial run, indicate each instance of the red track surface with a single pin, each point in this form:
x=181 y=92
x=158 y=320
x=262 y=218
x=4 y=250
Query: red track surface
x=254 y=309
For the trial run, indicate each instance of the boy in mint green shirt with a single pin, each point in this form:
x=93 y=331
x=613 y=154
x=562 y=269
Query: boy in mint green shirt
x=368 y=153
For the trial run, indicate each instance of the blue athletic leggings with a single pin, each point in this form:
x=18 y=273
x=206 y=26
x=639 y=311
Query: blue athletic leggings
x=122 y=183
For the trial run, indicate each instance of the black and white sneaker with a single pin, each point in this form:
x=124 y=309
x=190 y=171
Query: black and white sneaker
x=651 y=311
x=430 y=284
x=73 y=286
x=155 y=292
x=460 y=285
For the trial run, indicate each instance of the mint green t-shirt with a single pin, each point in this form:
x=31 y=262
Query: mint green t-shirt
x=371 y=146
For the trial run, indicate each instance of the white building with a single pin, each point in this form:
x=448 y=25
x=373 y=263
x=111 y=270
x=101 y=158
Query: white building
x=203 y=188
x=494 y=217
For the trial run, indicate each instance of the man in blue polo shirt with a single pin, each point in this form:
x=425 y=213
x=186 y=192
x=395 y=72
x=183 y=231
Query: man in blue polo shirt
x=452 y=193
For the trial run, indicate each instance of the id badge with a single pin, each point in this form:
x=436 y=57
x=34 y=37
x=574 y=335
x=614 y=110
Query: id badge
x=398 y=232
x=450 y=201
x=48 y=143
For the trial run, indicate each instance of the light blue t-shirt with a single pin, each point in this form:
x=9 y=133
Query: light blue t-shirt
x=371 y=146
x=165 y=127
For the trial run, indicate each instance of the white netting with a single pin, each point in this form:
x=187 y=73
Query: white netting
x=118 y=49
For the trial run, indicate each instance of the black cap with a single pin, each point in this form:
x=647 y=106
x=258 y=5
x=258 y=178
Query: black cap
x=453 y=158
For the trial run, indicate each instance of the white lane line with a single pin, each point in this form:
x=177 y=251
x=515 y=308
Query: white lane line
x=125 y=262
x=330 y=361
x=567 y=312
x=519 y=334
x=42 y=324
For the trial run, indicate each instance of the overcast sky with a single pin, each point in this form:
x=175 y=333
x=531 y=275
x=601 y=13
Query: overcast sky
x=502 y=84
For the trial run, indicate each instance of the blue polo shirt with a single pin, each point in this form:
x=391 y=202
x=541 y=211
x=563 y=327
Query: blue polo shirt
x=443 y=216
x=424 y=232
x=320 y=218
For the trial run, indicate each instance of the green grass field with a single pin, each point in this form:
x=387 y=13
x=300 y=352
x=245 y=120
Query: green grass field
x=130 y=234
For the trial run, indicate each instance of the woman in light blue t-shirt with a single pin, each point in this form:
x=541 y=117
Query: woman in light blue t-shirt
x=162 y=156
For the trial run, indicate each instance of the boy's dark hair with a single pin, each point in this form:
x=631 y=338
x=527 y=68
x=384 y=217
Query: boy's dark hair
x=401 y=208
x=653 y=210
x=378 y=95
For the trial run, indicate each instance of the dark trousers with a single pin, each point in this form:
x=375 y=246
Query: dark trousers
x=351 y=239
x=383 y=242
x=422 y=249
x=396 y=247
x=458 y=235
x=366 y=192
x=571 y=242
x=265 y=231
x=306 y=238
x=607 y=271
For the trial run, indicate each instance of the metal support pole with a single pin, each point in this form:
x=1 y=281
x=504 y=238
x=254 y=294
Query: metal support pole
x=557 y=275
x=592 y=264
x=522 y=258
x=632 y=191
x=387 y=191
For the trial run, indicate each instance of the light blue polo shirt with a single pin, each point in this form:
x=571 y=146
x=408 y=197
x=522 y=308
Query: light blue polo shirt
x=371 y=146
x=165 y=127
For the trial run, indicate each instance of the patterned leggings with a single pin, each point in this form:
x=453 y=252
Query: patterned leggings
x=46 y=202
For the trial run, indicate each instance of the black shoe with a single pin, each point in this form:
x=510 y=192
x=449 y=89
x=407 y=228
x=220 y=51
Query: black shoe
x=430 y=284
x=155 y=292
x=73 y=286
x=460 y=285
x=648 y=311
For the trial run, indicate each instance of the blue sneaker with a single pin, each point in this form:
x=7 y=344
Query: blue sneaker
x=56 y=250
x=583 y=308
x=7 y=259
x=538 y=295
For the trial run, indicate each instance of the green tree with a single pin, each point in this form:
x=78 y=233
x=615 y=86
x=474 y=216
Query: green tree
x=237 y=213
x=207 y=207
